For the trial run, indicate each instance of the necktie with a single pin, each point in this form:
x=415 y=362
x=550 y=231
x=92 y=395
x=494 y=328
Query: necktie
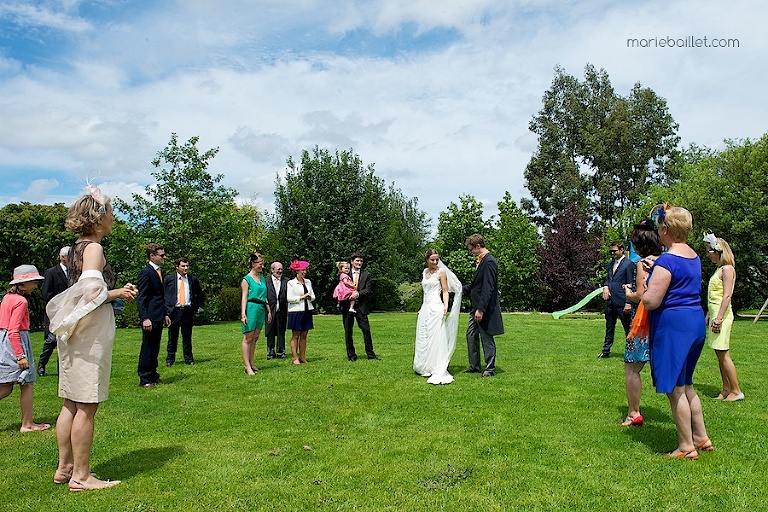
x=159 y=274
x=355 y=276
x=182 y=292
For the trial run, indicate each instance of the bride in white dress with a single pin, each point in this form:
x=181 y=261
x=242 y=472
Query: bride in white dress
x=436 y=326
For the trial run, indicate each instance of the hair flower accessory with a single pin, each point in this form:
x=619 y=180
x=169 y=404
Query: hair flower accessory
x=98 y=197
x=659 y=211
x=711 y=239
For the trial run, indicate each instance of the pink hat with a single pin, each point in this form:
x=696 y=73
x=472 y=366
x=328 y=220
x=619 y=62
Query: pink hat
x=24 y=273
x=297 y=265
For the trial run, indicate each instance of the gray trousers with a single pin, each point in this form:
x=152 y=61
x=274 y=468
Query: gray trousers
x=476 y=335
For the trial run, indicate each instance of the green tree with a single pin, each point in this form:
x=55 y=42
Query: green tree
x=31 y=234
x=454 y=226
x=598 y=151
x=193 y=215
x=330 y=205
x=515 y=241
x=726 y=192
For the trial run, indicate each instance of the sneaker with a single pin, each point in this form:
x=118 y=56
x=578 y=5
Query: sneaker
x=41 y=370
x=352 y=310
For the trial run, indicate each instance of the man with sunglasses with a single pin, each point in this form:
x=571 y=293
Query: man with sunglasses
x=620 y=272
x=152 y=314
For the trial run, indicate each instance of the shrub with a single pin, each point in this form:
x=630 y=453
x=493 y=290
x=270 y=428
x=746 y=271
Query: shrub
x=410 y=296
x=229 y=304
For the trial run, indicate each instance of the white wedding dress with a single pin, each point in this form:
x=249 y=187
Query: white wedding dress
x=436 y=332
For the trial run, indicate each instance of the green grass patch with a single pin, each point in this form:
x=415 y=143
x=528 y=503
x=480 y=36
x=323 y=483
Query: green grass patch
x=372 y=435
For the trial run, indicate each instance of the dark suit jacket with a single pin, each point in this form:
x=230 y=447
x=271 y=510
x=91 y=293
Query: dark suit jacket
x=171 y=285
x=55 y=282
x=364 y=289
x=484 y=295
x=151 y=297
x=625 y=274
x=273 y=299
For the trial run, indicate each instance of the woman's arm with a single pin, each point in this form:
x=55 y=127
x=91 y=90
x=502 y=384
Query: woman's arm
x=243 y=300
x=444 y=286
x=637 y=295
x=658 y=285
x=728 y=275
x=294 y=292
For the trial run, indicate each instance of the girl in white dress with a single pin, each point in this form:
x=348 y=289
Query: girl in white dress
x=436 y=326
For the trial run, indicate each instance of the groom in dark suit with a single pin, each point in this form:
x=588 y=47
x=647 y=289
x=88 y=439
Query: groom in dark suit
x=362 y=280
x=55 y=282
x=151 y=304
x=183 y=297
x=277 y=299
x=620 y=272
x=485 y=311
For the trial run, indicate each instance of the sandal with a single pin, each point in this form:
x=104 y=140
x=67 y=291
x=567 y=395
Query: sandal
x=706 y=445
x=76 y=486
x=690 y=454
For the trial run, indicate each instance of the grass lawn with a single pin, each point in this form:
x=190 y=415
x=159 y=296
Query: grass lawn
x=372 y=435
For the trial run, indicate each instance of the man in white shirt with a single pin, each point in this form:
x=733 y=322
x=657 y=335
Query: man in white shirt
x=277 y=299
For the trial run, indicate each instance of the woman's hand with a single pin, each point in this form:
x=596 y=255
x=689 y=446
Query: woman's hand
x=23 y=363
x=716 y=326
x=244 y=320
x=128 y=292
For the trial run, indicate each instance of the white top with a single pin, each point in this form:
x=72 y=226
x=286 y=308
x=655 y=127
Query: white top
x=296 y=290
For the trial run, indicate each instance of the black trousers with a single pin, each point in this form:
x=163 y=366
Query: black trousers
x=150 y=349
x=182 y=319
x=348 y=320
x=49 y=343
x=611 y=314
x=475 y=336
x=276 y=333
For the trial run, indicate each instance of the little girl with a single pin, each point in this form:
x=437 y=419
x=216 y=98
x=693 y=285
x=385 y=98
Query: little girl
x=16 y=362
x=345 y=287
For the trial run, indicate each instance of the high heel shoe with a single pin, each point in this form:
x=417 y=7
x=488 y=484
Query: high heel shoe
x=690 y=454
x=632 y=422
x=734 y=398
x=706 y=445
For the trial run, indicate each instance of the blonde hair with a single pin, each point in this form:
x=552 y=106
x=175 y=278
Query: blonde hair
x=679 y=223
x=341 y=264
x=86 y=213
x=726 y=254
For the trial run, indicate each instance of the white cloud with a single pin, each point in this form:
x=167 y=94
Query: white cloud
x=25 y=14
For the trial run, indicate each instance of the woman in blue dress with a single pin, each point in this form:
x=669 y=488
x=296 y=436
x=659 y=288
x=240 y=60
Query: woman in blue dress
x=677 y=329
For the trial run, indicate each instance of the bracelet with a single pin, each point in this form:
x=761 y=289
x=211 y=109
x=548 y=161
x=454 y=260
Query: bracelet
x=20 y=358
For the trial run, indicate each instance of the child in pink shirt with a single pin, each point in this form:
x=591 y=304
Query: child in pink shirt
x=16 y=363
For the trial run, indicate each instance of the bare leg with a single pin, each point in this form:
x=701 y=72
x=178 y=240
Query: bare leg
x=303 y=347
x=81 y=437
x=27 y=423
x=728 y=373
x=252 y=348
x=5 y=390
x=295 y=346
x=247 y=351
x=634 y=387
x=681 y=412
x=64 y=440
x=698 y=430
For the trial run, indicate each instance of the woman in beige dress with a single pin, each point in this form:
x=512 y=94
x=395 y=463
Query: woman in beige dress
x=83 y=320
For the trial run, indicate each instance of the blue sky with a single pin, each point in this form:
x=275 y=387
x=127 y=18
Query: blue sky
x=437 y=94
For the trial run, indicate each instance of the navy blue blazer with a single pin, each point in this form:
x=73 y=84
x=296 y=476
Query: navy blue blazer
x=484 y=295
x=171 y=285
x=151 y=297
x=625 y=274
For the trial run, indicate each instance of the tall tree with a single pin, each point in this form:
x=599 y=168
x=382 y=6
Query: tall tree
x=598 y=151
x=515 y=242
x=726 y=192
x=193 y=215
x=330 y=205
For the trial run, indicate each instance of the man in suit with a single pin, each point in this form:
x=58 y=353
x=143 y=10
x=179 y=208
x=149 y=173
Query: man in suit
x=183 y=297
x=620 y=272
x=362 y=279
x=277 y=299
x=485 y=310
x=55 y=282
x=152 y=314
